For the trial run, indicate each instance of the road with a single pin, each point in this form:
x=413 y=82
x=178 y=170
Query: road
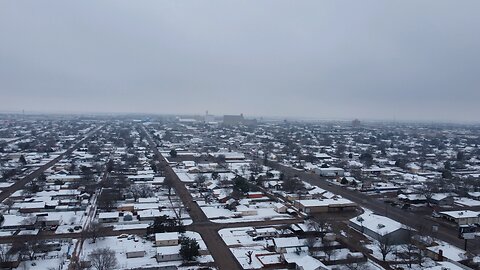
x=25 y=180
x=445 y=233
x=222 y=256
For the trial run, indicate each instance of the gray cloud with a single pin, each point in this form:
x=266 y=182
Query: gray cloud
x=415 y=60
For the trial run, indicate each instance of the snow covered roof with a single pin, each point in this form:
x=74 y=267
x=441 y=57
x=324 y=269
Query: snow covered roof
x=168 y=250
x=461 y=214
x=108 y=215
x=14 y=220
x=310 y=263
x=287 y=242
x=325 y=202
x=376 y=223
x=166 y=236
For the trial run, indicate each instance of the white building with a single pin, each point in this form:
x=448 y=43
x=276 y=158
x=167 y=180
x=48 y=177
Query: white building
x=166 y=239
x=380 y=228
x=464 y=217
x=330 y=172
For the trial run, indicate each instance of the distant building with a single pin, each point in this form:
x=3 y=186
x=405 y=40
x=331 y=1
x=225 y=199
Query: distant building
x=233 y=119
x=330 y=172
x=356 y=123
x=237 y=119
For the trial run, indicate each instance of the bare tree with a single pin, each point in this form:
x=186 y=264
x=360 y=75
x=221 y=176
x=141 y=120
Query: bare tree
x=5 y=255
x=256 y=168
x=93 y=231
x=8 y=203
x=385 y=246
x=410 y=253
x=428 y=191
x=25 y=248
x=293 y=184
x=141 y=191
x=103 y=259
x=311 y=242
x=328 y=248
x=249 y=255
x=320 y=226
x=200 y=179
x=168 y=184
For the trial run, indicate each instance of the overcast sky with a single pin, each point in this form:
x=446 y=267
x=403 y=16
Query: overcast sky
x=404 y=60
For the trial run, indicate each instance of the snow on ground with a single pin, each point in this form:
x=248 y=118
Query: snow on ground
x=121 y=246
x=240 y=243
x=368 y=265
x=449 y=251
x=52 y=259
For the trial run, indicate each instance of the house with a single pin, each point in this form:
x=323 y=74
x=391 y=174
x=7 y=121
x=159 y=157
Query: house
x=380 y=228
x=270 y=260
x=375 y=171
x=44 y=220
x=63 y=178
x=280 y=208
x=413 y=198
x=474 y=195
x=322 y=156
x=254 y=195
x=14 y=222
x=266 y=232
x=325 y=205
x=141 y=177
x=189 y=164
x=149 y=214
x=134 y=252
x=446 y=252
x=108 y=217
x=243 y=210
x=168 y=253
x=282 y=244
x=29 y=207
x=442 y=199
x=464 y=217
x=310 y=263
x=166 y=239
x=330 y=172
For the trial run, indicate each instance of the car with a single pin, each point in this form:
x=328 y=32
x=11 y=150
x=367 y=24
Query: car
x=76 y=228
x=123 y=235
x=70 y=230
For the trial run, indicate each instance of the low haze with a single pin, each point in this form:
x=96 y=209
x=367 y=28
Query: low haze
x=404 y=60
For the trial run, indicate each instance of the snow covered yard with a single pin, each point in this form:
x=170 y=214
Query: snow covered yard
x=240 y=243
x=56 y=259
x=134 y=243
